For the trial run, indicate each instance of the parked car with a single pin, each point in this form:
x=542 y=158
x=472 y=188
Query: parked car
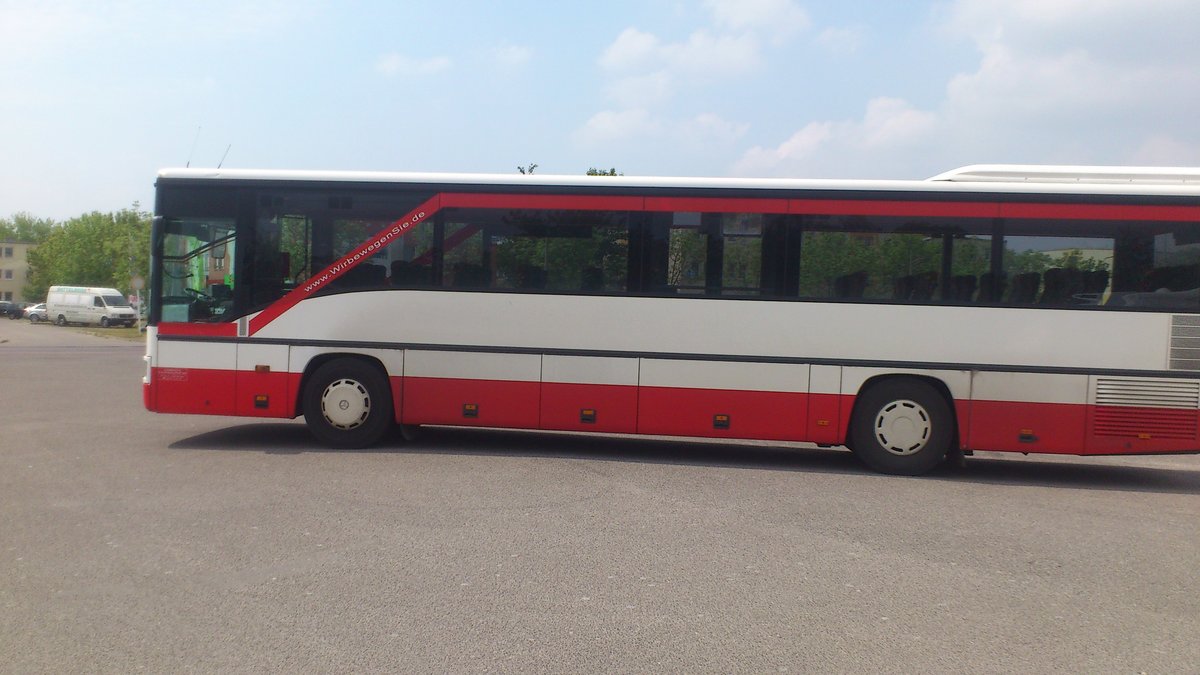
x=36 y=313
x=75 y=304
x=12 y=310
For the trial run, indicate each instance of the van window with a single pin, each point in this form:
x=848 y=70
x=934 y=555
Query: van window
x=97 y=302
x=115 y=301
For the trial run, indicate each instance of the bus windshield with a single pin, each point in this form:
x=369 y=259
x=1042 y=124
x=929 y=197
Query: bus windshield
x=196 y=269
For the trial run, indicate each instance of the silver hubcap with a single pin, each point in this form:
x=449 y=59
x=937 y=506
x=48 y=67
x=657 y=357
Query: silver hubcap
x=345 y=404
x=903 y=427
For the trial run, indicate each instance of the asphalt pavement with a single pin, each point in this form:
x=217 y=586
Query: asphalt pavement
x=132 y=541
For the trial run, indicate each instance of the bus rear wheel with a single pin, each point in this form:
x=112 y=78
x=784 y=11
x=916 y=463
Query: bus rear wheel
x=902 y=426
x=348 y=404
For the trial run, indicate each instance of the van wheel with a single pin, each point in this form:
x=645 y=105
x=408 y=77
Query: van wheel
x=61 y=320
x=902 y=426
x=104 y=322
x=348 y=404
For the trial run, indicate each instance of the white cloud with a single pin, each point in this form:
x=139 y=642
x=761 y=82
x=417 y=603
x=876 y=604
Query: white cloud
x=1163 y=150
x=707 y=129
x=888 y=125
x=840 y=40
x=776 y=18
x=704 y=53
x=37 y=28
x=891 y=122
x=631 y=49
x=610 y=126
x=642 y=90
x=1094 y=79
x=699 y=134
x=394 y=64
x=1056 y=81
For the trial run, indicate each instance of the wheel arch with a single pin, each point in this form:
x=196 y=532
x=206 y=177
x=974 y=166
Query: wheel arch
x=321 y=359
x=938 y=383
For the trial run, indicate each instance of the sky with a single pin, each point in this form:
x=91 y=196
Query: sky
x=96 y=96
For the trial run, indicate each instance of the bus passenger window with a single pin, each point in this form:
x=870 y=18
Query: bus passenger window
x=741 y=253
x=687 y=254
x=1157 y=266
x=1056 y=267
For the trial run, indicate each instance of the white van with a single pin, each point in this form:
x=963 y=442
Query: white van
x=76 y=304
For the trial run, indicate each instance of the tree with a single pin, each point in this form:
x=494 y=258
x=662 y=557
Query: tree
x=527 y=170
x=95 y=249
x=601 y=172
x=24 y=227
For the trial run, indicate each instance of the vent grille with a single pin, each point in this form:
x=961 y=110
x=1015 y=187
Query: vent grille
x=1185 y=342
x=1181 y=395
x=1146 y=408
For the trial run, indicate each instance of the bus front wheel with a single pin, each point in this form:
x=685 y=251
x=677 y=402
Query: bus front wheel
x=902 y=426
x=348 y=404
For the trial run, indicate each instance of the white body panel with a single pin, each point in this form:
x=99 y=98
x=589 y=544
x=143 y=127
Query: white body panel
x=590 y=370
x=1005 y=337
x=781 y=377
x=392 y=359
x=1019 y=387
x=196 y=355
x=473 y=366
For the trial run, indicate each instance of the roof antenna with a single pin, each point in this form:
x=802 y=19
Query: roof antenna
x=193 y=152
x=225 y=155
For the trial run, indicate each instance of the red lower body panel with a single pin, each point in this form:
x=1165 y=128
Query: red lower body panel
x=1075 y=429
x=193 y=390
x=1124 y=430
x=589 y=407
x=826 y=422
x=1026 y=427
x=201 y=391
x=722 y=413
x=464 y=402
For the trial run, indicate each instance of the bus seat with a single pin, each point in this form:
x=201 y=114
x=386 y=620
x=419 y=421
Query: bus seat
x=1095 y=281
x=591 y=279
x=408 y=274
x=469 y=275
x=924 y=286
x=1061 y=285
x=364 y=276
x=903 y=287
x=531 y=277
x=1025 y=288
x=962 y=287
x=991 y=287
x=852 y=285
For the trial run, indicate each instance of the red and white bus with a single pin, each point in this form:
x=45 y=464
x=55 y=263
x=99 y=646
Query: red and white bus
x=1009 y=308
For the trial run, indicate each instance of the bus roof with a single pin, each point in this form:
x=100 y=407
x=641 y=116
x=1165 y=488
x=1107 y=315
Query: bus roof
x=976 y=178
x=1091 y=175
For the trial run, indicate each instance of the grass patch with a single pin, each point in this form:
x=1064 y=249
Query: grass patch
x=119 y=333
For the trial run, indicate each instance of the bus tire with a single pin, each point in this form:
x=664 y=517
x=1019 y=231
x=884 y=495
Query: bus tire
x=902 y=426
x=348 y=404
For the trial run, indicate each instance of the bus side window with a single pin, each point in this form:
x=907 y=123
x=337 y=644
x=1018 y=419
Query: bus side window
x=1050 y=263
x=1156 y=266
